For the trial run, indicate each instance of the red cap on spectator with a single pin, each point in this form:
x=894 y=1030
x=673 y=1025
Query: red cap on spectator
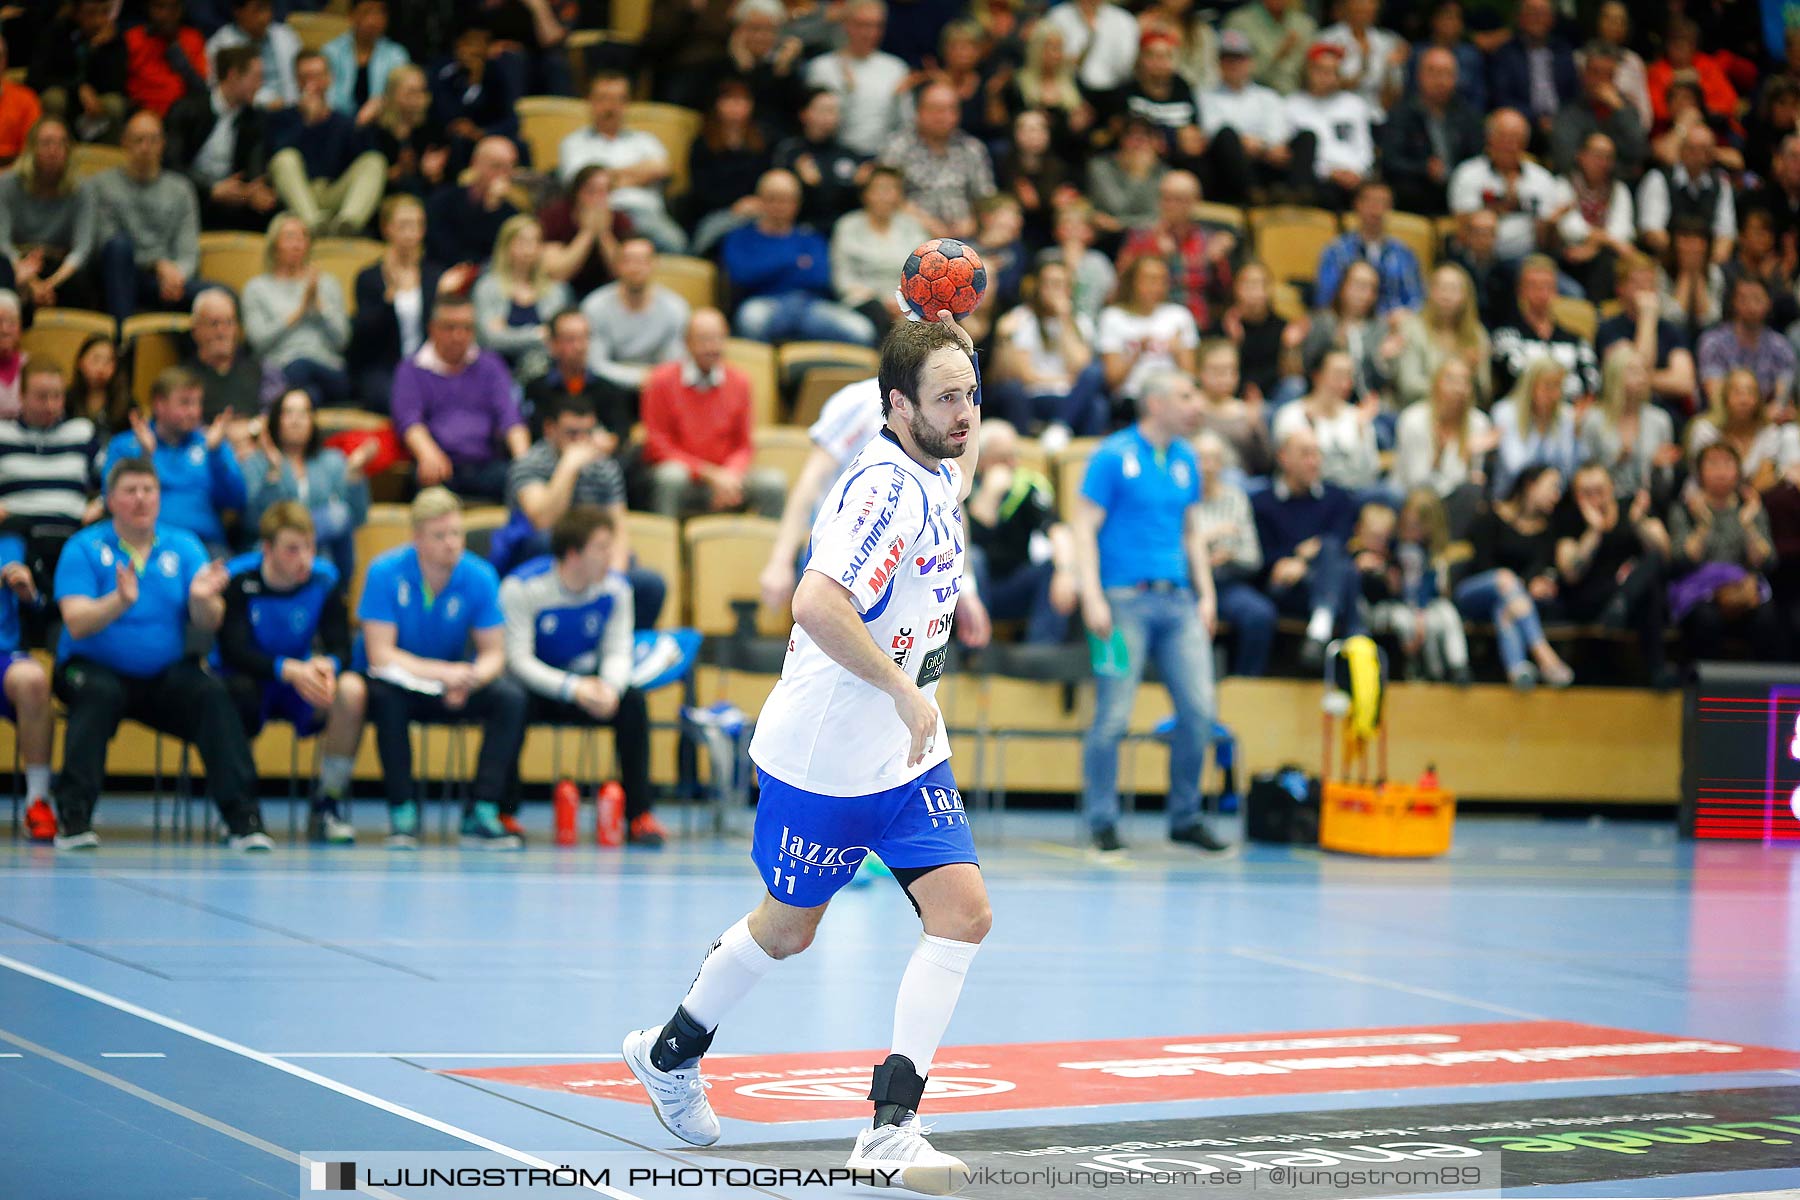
x=1324 y=50
x=1154 y=36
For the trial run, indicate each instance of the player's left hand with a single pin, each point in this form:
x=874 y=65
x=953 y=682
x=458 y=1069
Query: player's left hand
x=1209 y=614
x=209 y=581
x=973 y=628
x=17 y=577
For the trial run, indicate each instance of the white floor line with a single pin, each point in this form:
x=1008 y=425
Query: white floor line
x=1375 y=981
x=342 y=1089
x=132 y=1054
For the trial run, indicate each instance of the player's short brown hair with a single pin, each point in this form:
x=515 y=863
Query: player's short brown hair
x=575 y=528
x=908 y=346
x=284 y=515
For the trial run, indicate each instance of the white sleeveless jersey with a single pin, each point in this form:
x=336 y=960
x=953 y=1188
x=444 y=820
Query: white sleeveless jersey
x=891 y=533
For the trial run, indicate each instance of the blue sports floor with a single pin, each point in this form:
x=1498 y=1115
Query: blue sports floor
x=180 y=1022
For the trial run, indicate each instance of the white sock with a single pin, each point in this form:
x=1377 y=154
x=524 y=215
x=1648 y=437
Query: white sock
x=733 y=967
x=334 y=774
x=928 y=992
x=1318 y=629
x=37 y=781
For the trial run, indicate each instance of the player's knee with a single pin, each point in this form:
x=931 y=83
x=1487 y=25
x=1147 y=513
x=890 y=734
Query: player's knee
x=974 y=923
x=27 y=683
x=353 y=694
x=785 y=943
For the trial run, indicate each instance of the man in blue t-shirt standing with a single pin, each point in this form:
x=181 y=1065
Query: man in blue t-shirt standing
x=421 y=607
x=1147 y=592
x=200 y=477
x=128 y=589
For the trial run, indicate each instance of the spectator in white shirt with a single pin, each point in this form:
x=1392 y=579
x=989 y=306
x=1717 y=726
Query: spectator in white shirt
x=871 y=244
x=1693 y=187
x=1143 y=334
x=1102 y=37
x=1598 y=227
x=1251 y=112
x=872 y=83
x=1523 y=196
x=1374 y=62
x=637 y=162
x=1333 y=130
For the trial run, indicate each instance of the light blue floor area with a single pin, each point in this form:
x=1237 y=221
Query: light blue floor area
x=367 y=973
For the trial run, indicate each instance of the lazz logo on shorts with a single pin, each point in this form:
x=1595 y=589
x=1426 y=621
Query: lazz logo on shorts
x=944 y=806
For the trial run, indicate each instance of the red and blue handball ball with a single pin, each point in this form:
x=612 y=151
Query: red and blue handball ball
x=944 y=273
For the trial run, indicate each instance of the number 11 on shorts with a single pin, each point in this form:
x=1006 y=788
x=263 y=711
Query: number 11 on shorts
x=776 y=886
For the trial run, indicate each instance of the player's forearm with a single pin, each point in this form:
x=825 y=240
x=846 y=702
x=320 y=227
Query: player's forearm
x=85 y=616
x=825 y=611
x=796 y=514
x=206 y=612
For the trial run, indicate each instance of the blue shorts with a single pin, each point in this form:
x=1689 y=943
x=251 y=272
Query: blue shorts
x=807 y=846
x=280 y=702
x=6 y=664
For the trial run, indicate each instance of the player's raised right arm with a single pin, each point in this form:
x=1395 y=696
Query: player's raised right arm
x=824 y=608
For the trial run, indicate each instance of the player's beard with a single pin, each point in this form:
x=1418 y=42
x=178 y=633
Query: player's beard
x=933 y=442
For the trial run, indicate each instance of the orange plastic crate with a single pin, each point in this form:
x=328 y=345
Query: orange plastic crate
x=1395 y=820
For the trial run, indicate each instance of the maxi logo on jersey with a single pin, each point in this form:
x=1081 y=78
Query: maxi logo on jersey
x=871 y=541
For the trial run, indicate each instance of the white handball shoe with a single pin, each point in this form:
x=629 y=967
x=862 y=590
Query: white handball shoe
x=678 y=1096
x=899 y=1156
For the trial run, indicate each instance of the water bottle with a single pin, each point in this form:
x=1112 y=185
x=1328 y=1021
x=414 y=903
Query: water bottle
x=609 y=809
x=1428 y=782
x=566 y=798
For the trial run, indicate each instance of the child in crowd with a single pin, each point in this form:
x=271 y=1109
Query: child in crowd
x=1401 y=559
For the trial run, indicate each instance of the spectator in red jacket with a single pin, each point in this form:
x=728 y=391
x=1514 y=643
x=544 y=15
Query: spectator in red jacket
x=1681 y=52
x=165 y=58
x=697 y=418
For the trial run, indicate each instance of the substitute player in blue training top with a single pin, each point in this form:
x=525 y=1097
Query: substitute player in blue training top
x=853 y=757
x=285 y=651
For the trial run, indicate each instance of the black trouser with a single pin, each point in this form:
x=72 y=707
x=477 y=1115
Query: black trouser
x=1638 y=602
x=499 y=708
x=1226 y=171
x=631 y=740
x=183 y=702
x=1706 y=626
x=1305 y=181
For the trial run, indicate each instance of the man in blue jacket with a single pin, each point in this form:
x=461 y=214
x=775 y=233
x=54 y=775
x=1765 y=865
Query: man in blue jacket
x=128 y=588
x=1303 y=524
x=200 y=477
x=781 y=272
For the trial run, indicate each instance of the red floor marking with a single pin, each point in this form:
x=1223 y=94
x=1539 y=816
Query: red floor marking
x=806 y=1087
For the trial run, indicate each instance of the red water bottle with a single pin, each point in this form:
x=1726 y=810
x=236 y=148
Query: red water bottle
x=1428 y=782
x=609 y=813
x=566 y=798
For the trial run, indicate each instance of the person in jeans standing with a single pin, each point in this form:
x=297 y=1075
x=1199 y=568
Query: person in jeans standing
x=1147 y=591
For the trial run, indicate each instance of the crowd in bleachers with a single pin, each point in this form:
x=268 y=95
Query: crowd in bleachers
x=1502 y=295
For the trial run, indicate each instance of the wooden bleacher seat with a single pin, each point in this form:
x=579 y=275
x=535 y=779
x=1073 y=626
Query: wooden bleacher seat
x=757 y=360
x=656 y=544
x=1577 y=316
x=1290 y=240
x=544 y=121
x=317 y=28
x=782 y=447
x=344 y=258
x=1070 y=466
x=695 y=280
x=1286 y=302
x=56 y=334
x=232 y=259
x=1214 y=213
x=630 y=19
x=87 y=159
x=725 y=555
x=818 y=384
x=672 y=125
x=155 y=342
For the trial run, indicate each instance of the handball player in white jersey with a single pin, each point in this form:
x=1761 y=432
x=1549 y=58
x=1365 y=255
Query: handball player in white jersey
x=853 y=758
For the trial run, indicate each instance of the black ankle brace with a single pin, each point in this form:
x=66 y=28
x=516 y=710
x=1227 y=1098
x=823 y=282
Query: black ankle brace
x=897 y=1088
x=681 y=1042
